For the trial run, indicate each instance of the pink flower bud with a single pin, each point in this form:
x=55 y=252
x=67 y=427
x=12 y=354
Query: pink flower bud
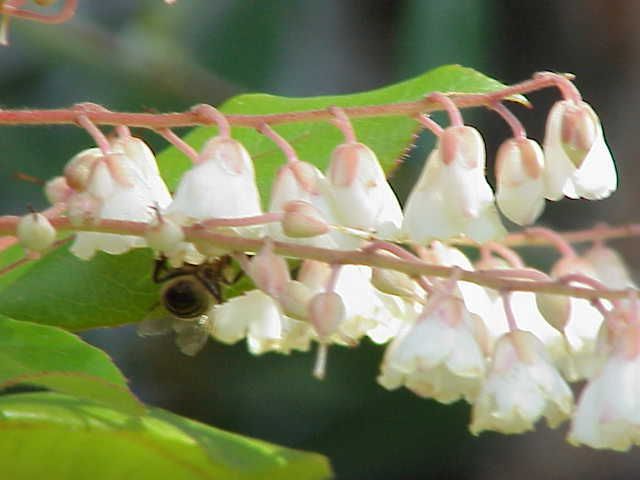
x=520 y=185
x=35 y=232
x=57 y=190
x=269 y=271
x=294 y=300
x=327 y=312
x=301 y=219
x=164 y=235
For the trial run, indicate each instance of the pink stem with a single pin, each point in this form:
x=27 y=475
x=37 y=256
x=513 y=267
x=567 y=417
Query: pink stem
x=523 y=274
x=510 y=255
x=564 y=248
x=123 y=131
x=508 y=311
x=342 y=121
x=96 y=134
x=190 y=118
x=66 y=12
x=180 y=144
x=287 y=149
x=213 y=115
x=431 y=125
x=333 y=278
x=271 y=217
x=455 y=117
x=516 y=126
x=568 y=90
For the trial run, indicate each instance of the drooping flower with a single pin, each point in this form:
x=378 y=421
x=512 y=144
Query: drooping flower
x=258 y=317
x=578 y=163
x=112 y=187
x=222 y=185
x=522 y=386
x=452 y=196
x=609 y=267
x=520 y=184
x=361 y=196
x=608 y=412
x=441 y=355
x=583 y=327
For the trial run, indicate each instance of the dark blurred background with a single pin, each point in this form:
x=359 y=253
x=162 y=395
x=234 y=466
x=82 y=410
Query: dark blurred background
x=145 y=55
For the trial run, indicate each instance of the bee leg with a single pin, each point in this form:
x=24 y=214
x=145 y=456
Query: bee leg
x=212 y=287
x=161 y=271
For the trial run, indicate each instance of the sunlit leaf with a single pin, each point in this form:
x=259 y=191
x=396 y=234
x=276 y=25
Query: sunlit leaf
x=78 y=440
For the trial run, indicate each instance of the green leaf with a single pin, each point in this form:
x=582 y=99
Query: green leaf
x=64 y=291
x=109 y=290
x=389 y=137
x=73 y=439
x=52 y=358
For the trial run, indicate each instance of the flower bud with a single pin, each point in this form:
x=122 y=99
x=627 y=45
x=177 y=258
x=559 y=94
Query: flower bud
x=57 y=190
x=301 y=219
x=556 y=309
x=520 y=185
x=327 y=312
x=35 y=232
x=609 y=266
x=269 y=271
x=393 y=283
x=294 y=300
x=164 y=236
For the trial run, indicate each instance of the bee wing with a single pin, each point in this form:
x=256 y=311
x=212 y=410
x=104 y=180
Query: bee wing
x=191 y=337
x=158 y=322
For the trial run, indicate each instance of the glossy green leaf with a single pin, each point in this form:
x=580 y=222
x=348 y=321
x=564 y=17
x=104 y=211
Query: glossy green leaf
x=52 y=358
x=67 y=292
x=389 y=137
x=79 y=440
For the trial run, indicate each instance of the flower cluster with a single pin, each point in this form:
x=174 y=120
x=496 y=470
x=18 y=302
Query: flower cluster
x=510 y=354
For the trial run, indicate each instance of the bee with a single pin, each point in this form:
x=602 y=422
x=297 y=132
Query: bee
x=187 y=297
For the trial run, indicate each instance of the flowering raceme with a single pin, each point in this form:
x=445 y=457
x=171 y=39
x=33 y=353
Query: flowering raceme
x=335 y=260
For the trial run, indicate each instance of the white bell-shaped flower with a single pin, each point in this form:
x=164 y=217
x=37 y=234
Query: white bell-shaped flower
x=222 y=185
x=452 y=196
x=441 y=355
x=583 y=327
x=141 y=155
x=257 y=316
x=522 y=386
x=361 y=196
x=520 y=184
x=608 y=412
x=120 y=192
x=609 y=267
x=578 y=163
